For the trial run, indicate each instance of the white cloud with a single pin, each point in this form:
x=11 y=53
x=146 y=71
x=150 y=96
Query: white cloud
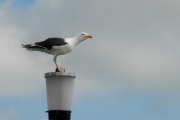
x=142 y=62
x=15 y=64
x=148 y=68
x=145 y=53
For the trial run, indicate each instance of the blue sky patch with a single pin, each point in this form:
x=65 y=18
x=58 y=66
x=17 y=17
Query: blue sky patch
x=24 y=3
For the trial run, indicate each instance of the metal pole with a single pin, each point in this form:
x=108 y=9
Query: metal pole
x=59 y=94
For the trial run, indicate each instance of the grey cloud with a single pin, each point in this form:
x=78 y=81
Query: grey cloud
x=125 y=32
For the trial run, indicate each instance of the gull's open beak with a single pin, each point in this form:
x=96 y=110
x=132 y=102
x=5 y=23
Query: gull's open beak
x=89 y=36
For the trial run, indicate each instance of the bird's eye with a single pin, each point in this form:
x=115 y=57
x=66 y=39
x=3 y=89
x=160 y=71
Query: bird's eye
x=83 y=34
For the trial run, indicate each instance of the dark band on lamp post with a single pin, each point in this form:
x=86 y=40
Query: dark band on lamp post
x=59 y=115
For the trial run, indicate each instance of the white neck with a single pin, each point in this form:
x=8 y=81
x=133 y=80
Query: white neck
x=73 y=41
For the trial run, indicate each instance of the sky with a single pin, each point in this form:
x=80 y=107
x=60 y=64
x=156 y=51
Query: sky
x=128 y=71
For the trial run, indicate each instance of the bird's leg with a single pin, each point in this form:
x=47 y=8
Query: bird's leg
x=61 y=69
x=54 y=59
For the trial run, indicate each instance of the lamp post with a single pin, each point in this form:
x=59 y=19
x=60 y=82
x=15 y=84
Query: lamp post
x=59 y=94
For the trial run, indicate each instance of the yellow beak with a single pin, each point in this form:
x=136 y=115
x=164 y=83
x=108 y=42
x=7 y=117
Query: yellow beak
x=89 y=36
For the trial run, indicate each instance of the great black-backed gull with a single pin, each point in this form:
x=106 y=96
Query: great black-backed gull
x=57 y=46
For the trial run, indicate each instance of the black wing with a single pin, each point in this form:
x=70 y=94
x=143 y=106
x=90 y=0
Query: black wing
x=50 y=42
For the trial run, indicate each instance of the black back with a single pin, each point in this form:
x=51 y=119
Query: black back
x=50 y=42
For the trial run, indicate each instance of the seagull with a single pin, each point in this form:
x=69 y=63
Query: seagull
x=57 y=46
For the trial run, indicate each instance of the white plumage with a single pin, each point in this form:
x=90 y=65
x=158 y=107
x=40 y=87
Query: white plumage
x=57 y=46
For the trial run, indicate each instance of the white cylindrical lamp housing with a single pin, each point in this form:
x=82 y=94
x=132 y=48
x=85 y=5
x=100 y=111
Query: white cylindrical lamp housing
x=59 y=94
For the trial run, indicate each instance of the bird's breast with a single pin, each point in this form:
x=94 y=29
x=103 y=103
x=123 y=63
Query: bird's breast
x=61 y=50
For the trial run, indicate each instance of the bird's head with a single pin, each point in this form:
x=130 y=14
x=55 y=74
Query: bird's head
x=83 y=36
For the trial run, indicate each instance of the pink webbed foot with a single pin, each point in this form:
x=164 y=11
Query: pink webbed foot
x=60 y=69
